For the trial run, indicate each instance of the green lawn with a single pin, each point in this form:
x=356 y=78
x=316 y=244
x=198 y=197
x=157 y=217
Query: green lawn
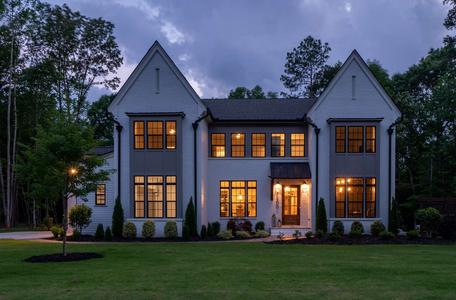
x=230 y=270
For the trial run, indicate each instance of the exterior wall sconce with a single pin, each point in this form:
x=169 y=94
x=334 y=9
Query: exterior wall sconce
x=277 y=188
x=305 y=187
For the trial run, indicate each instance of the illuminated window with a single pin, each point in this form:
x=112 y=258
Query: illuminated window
x=237 y=145
x=340 y=139
x=101 y=194
x=355 y=139
x=139 y=197
x=171 y=197
x=155 y=196
x=370 y=197
x=370 y=139
x=297 y=144
x=155 y=135
x=170 y=134
x=236 y=199
x=218 y=145
x=340 y=197
x=258 y=144
x=224 y=199
x=355 y=197
x=139 y=135
x=251 y=198
x=277 y=144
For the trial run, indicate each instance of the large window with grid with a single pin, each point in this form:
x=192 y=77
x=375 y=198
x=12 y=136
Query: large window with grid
x=171 y=197
x=340 y=139
x=297 y=144
x=370 y=198
x=277 y=144
x=340 y=197
x=258 y=144
x=155 y=135
x=355 y=139
x=139 y=196
x=155 y=196
x=370 y=139
x=139 y=134
x=171 y=134
x=237 y=145
x=353 y=195
x=218 y=144
x=238 y=198
x=100 y=194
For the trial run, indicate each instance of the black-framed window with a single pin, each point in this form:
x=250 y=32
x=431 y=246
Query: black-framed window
x=238 y=198
x=100 y=196
x=340 y=139
x=297 y=144
x=218 y=145
x=171 y=197
x=355 y=193
x=171 y=132
x=277 y=144
x=340 y=197
x=155 y=196
x=237 y=145
x=139 y=196
x=155 y=135
x=139 y=134
x=355 y=139
x=258 y=144
x=370 y=139
x=370 y=197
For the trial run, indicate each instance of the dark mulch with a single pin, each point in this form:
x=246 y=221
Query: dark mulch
x=58 y=257
x=366 y=240
x=117 y=239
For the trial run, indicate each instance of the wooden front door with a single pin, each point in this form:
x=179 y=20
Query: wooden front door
x=291 y=205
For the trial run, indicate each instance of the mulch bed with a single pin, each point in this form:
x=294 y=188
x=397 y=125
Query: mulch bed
x=116 y=239
x=365 y=240
x=58 y=257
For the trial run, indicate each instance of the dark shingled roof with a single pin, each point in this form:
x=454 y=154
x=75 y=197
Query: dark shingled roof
x=258 y=109
x=102 y=150
x=290 y=170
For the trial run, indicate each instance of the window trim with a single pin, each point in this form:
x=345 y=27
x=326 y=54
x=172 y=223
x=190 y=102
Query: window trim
x=212 y=146
x=135 y=135
x=284 y=144
x=231 y=145
x=303 y=145
x=152 y=135
x=251 y=144
x=97 y=194
x=246 y=201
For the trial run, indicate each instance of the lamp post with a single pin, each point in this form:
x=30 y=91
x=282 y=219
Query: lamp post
x=72 y=173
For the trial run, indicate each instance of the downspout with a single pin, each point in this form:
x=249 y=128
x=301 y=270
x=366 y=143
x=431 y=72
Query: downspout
x=195 y=159
x=317 y=132
x=390 y=132
x=119 y=130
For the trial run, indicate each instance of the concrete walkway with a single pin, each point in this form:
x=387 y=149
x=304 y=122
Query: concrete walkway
x=26 y=235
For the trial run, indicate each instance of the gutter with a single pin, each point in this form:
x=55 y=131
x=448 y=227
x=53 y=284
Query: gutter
x=390 y=133
x=317 y=132
x=119 y=130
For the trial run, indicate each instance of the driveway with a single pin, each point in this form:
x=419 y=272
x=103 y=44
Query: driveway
x=26 y=235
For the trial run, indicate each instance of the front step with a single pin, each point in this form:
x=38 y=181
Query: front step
x=289 y=230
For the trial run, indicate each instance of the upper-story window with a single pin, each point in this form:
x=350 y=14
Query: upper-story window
x=170 y=134
x=340 y=139
x=355 y=139
x=218 y=145
x=297 y=144
x=360 y=139
x=155 y=135
x=101 y=194
x=370 y=139
x=139 y=135
x=277 y=144
x=237 y=145
x=258 y=144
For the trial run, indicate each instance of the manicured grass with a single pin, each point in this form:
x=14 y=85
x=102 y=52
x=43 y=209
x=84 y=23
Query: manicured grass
x=230 y=270
x=18 y=230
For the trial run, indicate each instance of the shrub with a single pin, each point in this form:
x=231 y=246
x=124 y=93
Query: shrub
x=48 y=222
x=203 y=232
x=117 y=218
x=171 y=229
x=413 y=235
x=216 y=227
x=108 y=234
x=225 y=235
x=259 y=226
x=79 y=216
x=297 y=234
x=333 y=236
x=190 y=219
x=339 y=227
x=309 y=234
x=377 y=227
x=231 y=225
x=185 y=233
x=243 y=234
x=322 y=222
x=210 y=231
x=393 y=221
x=76 y=234
x=99 y=234
x=320 y=233
x=280 y=235
x=247 y=226
x=262 y=234
x=386 y=235
x=148 y=229
x=55 y=231
x=353 y=234
x=357 y=226
x=129 y=230
x=429 y=218
x=61 y=232
x=448 y=227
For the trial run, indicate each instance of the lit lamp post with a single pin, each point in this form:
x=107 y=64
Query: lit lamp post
x=72 y=173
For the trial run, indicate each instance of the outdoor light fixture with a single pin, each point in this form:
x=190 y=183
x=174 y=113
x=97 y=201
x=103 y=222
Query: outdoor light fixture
x=305 y=186
x=277 y=187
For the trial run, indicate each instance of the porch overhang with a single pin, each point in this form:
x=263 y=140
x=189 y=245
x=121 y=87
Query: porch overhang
x=290 y=170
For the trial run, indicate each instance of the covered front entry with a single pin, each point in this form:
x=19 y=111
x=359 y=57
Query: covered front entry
x=291 y=205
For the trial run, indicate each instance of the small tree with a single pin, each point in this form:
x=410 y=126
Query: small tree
x=393 y=221
x=210 y=232
x=190 y=219
x=322 y=222
x=80 y=216
x=430 y=218
x=203 y=231
x=99 y=234
x=108 y=235
x=117 y=218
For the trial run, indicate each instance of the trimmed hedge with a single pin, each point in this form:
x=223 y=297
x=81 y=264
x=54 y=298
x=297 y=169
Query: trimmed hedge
x=171 y=229
x=377 y=227
x=339 y=227
x=148 y=229
x=129 y=231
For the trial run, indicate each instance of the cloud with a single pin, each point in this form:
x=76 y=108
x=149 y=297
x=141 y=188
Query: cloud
x=150 y=11
x=348 y=7
x=196 y=85
x=184 y=57
x=172 y=34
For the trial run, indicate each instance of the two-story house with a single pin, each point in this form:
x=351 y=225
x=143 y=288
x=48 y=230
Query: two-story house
x=260 y=159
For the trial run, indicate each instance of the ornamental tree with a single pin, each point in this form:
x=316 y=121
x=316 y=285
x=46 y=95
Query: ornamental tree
x=80 y=216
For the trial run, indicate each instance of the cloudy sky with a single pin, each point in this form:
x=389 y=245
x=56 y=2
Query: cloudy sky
x=219 y=45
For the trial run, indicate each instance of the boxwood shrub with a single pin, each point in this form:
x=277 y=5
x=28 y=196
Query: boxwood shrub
x=339 y=227
x=309 y=234
x=357 y=226
x=148 y=229
x=171 y=229
x=259 y=226
x=225 y=235
x=377 y=227
x=386 y=235
x=353 y=234
x=129 y=230
x=262 y=234
x=413 y=235
x=243 y=234
x=333 y=236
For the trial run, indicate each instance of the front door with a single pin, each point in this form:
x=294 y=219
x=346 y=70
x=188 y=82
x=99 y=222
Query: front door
x=291 y=205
